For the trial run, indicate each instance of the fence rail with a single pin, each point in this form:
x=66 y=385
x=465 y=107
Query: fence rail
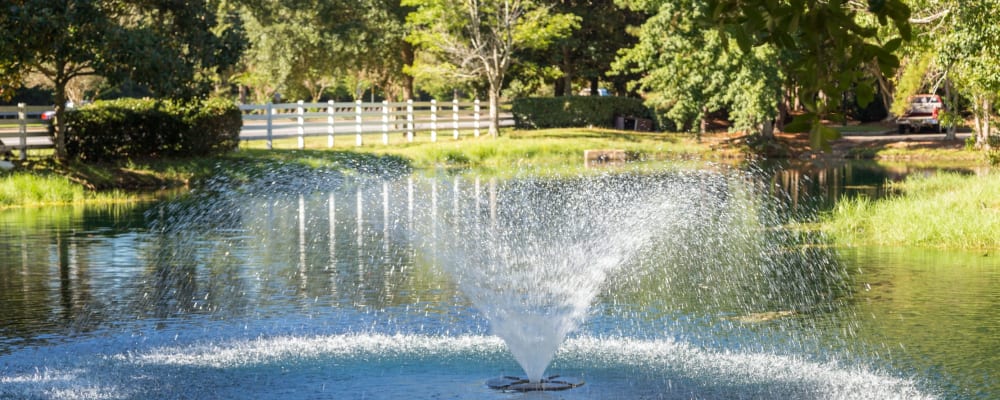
x=358 y=119
x=22 y=128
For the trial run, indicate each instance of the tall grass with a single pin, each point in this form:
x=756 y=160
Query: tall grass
x=29 y=189
x=944 y=210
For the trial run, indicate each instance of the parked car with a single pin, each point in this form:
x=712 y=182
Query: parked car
x=48 y=116
x=923 y=111
x=600 y=92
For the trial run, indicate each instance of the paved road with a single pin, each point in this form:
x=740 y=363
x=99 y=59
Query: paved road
x=893 y=136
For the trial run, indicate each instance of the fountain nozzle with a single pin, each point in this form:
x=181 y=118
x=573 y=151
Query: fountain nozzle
x=519 y=384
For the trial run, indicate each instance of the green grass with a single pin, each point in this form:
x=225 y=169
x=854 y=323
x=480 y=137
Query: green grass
x=45 y=189
x=946 y=210
x=28 y=189
x=540 y=149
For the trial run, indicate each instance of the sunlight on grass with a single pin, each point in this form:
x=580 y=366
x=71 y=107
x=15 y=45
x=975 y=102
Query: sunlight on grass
x=539 y=148
x=945 y=210
x=22 y=189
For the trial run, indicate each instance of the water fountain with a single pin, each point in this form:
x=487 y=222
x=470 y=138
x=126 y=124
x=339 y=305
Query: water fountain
x=533 y=271
x=305 y=284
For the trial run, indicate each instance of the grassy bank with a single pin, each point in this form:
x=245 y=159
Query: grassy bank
x=45 y=188
x=42 y=182
x=945 y=210
x=545 y=148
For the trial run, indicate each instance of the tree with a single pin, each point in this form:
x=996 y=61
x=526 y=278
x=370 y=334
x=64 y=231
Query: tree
x=588 y=51
x=969 y=55
x=826 y=45
x=301 y=46
x=389 y=55
x=478 y=39
x=161 y=44
x=689 y=72
x=954 y=50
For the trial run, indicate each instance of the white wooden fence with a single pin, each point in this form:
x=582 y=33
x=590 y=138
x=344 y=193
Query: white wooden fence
x=332 y=119
x=22 y=128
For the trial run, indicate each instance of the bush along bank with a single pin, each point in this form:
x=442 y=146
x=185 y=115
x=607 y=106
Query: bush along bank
x=130 y=129
x=575 y=111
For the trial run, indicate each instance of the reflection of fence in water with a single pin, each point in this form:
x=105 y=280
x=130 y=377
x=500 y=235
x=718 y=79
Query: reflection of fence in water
x=367 y=230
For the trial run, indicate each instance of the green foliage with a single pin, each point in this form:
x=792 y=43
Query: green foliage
x=911 y=82
x=575 y=111
x=129 y=129
x=480 y=39
x=874 y=111
x=301 y=48
x=688 y=71
x=822 y=45
x=172 y=48
x=587 y=53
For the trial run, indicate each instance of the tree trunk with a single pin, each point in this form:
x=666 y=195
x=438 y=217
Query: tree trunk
x=494 y=129
x=408 y=56
x=952 y=105
x=559 y=88
x=783 y=113
x=703 y=126
x=59 y=134
x=885 y=90
x=976 y=117
x=986 y=123
x=767 y=131
x=567 y=72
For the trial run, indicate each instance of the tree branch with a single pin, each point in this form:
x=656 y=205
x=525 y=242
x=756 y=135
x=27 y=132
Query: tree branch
x=930 y=18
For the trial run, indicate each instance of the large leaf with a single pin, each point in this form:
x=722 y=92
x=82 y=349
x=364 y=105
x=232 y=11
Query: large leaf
x=821 y=135
x=865 y=94
x=801 y=123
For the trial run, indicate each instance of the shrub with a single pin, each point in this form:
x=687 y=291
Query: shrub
x=575 y=111
x=128 y=129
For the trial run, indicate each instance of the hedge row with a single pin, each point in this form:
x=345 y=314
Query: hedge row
x=575 y=111
x=127 y=129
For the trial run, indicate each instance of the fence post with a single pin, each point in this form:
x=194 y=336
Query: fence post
x=329 y=123
x=409 y=120
x=270 y=124
x=454 y=116
x=434 y=120
x=22 y=129
x=385 y=122
x=475 y=124
x=301 y=122
x=357 y=122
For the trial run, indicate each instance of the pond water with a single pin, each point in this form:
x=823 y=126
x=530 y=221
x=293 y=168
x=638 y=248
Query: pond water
x=665 y=284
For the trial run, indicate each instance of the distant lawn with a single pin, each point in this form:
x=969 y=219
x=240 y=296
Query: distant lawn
x=535 y=148
x=41 y=181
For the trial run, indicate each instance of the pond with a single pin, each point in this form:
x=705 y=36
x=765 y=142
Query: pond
x=676 y=283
